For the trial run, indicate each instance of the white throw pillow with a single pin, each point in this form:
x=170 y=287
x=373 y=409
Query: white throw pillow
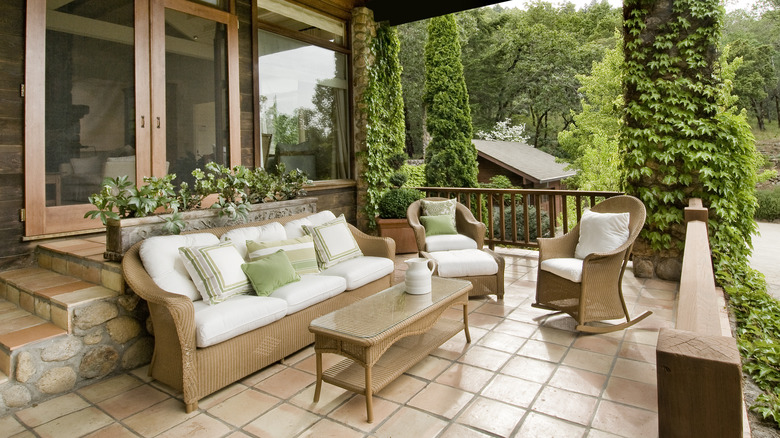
x=263 y=233
x=601 y=232
x=216 y=271
x=160 y=257
x=334 y=242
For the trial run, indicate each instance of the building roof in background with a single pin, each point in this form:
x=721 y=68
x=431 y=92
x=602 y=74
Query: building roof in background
x=523 y=159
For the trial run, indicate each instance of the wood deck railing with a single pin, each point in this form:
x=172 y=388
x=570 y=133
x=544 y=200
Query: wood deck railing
x=516 y=217
x=697 y=363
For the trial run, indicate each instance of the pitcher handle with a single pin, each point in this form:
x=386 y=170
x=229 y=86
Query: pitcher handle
x=432 y=268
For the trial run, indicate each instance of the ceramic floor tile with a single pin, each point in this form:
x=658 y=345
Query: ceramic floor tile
x=512 y=390
x=595 y=433
x=201 y=426
x=586 y=360
x=402 y=389
x=482 y=320
x=286 y=383
x=517 y=328
x=331 y=397
x=408 y=422
x=543 y=350
x=597 y=344
x=642 y=336
x=495 y=309
x=51 y=409
x=529 y=369
x=243 y=407
x=309 y=364
x=10 y=426
x=634 y=370
x=630 y=392
x=441 y=400
x=456 y=430
x=114 y=430
x=283 y=421
x=541 y=426
x=565 y=405
x=465 y=377
x=625 y=420
x=220 y=396
x=254 y=379
x=486 y=358
x=491 y=416
x=133 y=401
x=353 y=413
x=561 y=337
x=108 y=388
x=429 y=368
x=503 y=342
x=159 y=418
x=638 y=352
x=75 y=424
x=330 y=429
x=577 y=380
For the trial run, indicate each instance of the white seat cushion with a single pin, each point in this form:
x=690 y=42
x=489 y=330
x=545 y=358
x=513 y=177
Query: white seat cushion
x=268 y=232
x=235 y=316
x=310 y=290
x=465 y=263
x=361 y=270
x=568 y=268
x=160 y=256
x=601 y=232
x=449 y=242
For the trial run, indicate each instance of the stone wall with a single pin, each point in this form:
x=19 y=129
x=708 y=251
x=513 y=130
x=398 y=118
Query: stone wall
x=108 y=337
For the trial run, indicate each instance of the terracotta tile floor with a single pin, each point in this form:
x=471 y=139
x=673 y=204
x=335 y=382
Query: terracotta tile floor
x=527 y=373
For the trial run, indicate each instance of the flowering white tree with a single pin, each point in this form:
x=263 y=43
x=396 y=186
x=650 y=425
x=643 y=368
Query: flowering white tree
x=504 y=131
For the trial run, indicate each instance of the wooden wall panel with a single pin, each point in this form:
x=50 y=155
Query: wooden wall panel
x=13 y=252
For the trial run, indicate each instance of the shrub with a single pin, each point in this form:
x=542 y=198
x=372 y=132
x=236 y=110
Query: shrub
x=768 y=204
x=394 y=202
x=415 y=174
x=533 y=233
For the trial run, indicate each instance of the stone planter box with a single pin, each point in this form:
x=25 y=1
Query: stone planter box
x=400 y=231
x=124 y=233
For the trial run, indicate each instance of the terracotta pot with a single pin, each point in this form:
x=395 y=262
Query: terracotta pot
x=400 y=231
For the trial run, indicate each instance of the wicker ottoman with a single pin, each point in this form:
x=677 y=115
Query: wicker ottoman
x=482 y=267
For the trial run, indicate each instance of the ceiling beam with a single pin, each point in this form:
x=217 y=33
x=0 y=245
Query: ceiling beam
x=405 y=11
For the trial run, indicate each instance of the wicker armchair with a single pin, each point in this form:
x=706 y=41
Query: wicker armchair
x=467 y=226
x=598 y=295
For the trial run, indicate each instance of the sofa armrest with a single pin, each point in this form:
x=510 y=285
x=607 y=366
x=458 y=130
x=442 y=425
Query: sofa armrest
x=373 y=245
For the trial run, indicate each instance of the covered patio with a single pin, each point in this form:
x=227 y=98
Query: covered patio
x=526 y=373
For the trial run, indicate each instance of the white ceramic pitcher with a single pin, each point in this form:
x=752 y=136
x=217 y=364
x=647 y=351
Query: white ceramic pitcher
x=418 y=276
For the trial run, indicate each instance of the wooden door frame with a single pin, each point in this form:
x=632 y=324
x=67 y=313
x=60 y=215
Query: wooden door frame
x=44 y=221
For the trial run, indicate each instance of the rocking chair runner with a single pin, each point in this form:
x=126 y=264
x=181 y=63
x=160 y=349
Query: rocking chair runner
x=589 y=288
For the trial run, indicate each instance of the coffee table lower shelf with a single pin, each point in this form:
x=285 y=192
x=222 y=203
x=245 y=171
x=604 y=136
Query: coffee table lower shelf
x=401 y=356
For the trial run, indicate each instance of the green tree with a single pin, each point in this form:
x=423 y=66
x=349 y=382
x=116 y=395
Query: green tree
x=756 y=78
x=451 y=158
x=412 y=57
x=384 y=107
x=592 y=142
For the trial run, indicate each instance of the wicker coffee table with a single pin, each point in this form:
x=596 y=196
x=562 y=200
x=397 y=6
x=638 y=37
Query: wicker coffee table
x=385 y=334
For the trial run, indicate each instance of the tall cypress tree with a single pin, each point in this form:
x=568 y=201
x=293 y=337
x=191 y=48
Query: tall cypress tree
x=451 y=158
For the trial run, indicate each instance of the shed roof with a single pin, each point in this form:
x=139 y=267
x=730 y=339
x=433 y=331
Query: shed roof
x=524 y=160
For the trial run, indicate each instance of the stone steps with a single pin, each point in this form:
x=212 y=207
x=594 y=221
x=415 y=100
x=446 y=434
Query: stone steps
x=66 y=321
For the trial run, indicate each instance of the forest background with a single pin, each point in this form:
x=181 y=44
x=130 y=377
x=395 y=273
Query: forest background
x=549 y=75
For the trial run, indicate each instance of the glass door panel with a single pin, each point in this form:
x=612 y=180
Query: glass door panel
x=90 y=97
x=196 y=93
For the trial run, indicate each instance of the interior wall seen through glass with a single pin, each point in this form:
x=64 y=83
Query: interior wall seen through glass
x=303 y=107
x=89 y=119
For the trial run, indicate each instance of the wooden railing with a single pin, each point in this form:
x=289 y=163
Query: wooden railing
x=697 y=363
x=516 y=217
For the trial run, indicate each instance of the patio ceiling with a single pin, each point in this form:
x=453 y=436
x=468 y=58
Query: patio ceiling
x=397 y=11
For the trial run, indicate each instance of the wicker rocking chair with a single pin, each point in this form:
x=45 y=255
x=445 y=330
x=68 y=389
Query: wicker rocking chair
x=589 y=288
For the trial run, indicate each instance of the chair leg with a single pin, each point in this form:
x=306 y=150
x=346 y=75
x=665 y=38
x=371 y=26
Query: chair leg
x=613 y=328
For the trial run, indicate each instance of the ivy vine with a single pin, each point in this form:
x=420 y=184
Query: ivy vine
x=385 y=113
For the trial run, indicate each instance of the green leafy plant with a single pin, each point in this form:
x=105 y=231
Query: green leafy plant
x=394 y=202
x=235 y=188
x=768 y=204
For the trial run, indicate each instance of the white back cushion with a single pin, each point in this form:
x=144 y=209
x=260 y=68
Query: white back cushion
x=160 y=257
x=295 y=228
x=601 y=232
x=264 y=233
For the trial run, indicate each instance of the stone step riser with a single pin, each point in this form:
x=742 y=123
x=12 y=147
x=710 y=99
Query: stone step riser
x=92 y=269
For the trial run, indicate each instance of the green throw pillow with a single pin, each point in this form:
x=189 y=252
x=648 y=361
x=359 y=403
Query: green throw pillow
x=270 y=272
x=435 y=225
x=300 y=251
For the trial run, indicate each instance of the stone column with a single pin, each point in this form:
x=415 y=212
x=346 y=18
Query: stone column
x=363 y=30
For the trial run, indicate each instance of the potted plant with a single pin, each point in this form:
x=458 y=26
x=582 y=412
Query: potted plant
x=392 y=218
x=236 y=195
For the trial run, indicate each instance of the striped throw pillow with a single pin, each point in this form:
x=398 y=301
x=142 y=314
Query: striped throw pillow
x=333 y=242
x=216 y=271
x=299 y=250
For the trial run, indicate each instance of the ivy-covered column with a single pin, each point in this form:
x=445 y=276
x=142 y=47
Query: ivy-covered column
x=363 y=31
x=683 y=137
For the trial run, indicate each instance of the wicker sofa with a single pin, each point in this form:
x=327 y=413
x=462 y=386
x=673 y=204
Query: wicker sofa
x=199 y=371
